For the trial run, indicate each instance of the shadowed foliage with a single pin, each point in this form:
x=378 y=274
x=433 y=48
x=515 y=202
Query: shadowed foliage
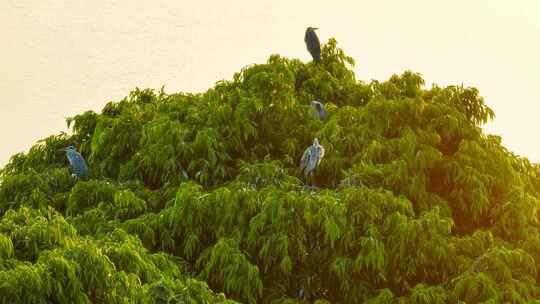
x=199 y=198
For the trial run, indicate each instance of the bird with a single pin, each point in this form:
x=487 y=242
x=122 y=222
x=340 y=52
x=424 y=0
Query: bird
x=320 y=113
x=311 y=158
x=77 y=162
x=313 y=44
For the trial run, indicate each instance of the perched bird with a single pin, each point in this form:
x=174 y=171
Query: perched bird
x=320 y=113
x=311 y=159
x=78 y=165
x=313 y=44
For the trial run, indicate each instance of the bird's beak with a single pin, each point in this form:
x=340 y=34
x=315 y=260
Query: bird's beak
x=315 y=28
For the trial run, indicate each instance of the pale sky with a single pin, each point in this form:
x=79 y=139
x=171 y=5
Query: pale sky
x=60 y=58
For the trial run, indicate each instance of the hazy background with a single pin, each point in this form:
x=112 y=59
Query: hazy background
x=60 y=58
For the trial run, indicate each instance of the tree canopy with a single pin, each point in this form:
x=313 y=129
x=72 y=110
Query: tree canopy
x=199 y=198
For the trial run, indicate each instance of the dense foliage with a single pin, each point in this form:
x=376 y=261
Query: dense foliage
x=198 y=198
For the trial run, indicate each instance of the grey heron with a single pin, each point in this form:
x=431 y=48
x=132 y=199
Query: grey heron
x=311 y=159
x=320 y=112
x=77 y=162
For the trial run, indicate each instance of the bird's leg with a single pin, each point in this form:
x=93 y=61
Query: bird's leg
x=313 y=185
x=307 y=185
x=309 y=182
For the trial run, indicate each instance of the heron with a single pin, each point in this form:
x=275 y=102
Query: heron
x=320 y=113
x=313 y=44
x=311 y=159
x=77 y=162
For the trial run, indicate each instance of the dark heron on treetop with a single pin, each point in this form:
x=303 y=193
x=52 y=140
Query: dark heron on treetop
x=313 y=44
x=78 y=165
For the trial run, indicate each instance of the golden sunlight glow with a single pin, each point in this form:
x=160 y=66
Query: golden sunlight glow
x=60 y=58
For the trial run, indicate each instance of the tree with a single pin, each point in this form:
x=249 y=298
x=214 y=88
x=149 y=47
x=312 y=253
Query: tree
x=193 y=197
